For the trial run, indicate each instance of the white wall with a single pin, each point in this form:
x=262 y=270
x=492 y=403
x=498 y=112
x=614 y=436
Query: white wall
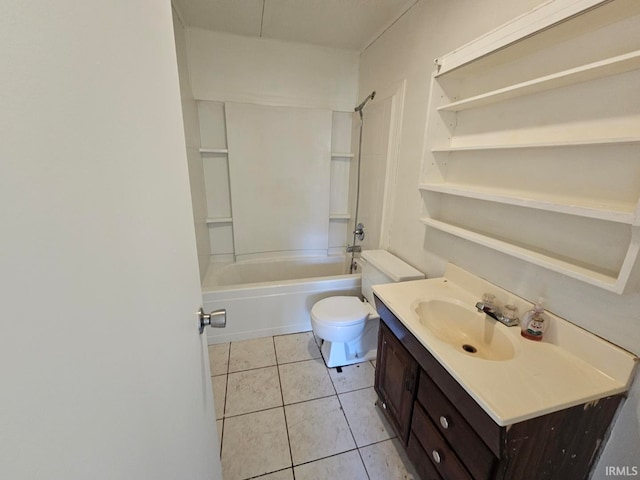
x=192 y=136
x=373 y=169
x=226 y=67
x=405 y=52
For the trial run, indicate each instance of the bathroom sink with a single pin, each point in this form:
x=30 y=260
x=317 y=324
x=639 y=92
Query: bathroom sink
x=465 y=330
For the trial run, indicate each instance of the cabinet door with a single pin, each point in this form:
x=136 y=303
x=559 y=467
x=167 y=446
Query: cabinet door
x=396 y=373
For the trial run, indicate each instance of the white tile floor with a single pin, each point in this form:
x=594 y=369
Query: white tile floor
x=283 y=415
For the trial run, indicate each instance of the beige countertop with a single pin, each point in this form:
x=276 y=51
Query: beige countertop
x=569 y=367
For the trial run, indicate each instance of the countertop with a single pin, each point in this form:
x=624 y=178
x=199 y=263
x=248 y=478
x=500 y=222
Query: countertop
x=569 y=367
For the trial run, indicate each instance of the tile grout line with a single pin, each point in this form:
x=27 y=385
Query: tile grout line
x=224 y=407
x=348 y=424
x=270 y=473
x=336 y=394
x=337 y=455
x=284 y=412
x=347 y=419
x=352 y=435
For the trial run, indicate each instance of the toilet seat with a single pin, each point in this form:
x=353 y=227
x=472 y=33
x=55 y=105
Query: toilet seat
x=340 y=311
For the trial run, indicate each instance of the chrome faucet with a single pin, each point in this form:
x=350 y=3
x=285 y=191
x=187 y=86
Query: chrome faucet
x=488 y=307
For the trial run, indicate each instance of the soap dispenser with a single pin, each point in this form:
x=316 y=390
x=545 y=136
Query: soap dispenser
x=534 y=322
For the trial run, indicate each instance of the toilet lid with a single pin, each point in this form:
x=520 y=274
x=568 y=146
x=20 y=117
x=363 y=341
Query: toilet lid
x=341 y=311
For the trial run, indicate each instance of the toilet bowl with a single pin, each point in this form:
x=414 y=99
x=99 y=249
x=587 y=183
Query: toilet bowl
x=347 y=326
x=340 y=319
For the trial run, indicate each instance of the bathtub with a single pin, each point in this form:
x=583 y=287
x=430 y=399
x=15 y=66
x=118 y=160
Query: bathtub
x=272 y=296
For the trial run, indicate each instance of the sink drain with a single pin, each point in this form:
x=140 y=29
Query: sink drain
x=469 y=348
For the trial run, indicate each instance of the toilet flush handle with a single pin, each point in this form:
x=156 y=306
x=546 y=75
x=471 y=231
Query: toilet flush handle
x=216 y=319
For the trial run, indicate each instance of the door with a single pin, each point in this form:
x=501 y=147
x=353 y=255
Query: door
x=396 y=373
x=103 y=372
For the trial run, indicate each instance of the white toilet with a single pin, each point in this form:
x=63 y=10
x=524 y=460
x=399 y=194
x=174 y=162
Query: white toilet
x=348 y=326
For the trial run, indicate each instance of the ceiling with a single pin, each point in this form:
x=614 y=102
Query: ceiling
x=347 y=24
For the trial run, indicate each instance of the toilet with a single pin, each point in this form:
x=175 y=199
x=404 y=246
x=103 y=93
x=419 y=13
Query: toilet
x=348 y=326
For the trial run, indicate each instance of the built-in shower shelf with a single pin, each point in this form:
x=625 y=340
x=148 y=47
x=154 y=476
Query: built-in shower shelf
x=341 y=155
x=339 y=216
x=212 y=221
x=214 y=151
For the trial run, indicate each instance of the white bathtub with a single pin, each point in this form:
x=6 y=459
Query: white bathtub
x=272 y=296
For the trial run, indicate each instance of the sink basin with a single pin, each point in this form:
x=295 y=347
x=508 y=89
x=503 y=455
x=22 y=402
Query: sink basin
x=465 y=330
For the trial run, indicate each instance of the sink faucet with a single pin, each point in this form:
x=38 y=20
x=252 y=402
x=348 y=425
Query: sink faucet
x=510 y=319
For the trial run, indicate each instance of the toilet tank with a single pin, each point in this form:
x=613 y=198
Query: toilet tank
x=379 y=267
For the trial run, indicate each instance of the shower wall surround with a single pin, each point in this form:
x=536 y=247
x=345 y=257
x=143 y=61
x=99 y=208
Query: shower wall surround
x=279 y=170
x=280 y=186
x=272 y=74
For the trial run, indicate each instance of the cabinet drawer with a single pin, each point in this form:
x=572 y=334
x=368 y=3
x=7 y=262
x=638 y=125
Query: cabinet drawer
x=420 y=460
x=437 y=449
x=488 y=430
x=469 y=447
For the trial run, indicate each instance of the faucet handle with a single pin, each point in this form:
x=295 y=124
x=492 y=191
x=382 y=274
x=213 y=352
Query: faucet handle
x=489 y=301
x=507 y=316
x=510 y=312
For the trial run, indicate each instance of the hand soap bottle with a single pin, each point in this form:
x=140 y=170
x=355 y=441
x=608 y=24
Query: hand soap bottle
x=534 y=322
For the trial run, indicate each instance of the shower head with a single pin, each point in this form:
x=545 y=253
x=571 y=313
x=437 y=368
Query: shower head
x=364 y=102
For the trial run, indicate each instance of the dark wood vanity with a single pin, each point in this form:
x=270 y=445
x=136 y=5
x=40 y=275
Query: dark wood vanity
x=448 y=436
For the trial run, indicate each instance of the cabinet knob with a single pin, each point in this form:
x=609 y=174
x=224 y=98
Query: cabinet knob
x=436 y=456
x=444 y=422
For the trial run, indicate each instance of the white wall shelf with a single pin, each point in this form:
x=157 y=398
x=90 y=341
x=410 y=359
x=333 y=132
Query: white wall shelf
x=610 y=66
x=214 y=151
x=341 y=155
x=339 y=216
x=580 y=206
x=539 y=29
x=211 y=221
x=556 y=144
x=481 y=175
x=590 y=275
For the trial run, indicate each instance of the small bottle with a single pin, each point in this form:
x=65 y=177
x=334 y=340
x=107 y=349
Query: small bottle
x=534 y=322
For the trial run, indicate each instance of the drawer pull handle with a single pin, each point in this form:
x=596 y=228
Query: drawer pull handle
x=436 y=456
x=444 y=422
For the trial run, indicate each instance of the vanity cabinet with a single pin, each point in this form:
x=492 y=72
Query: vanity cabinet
x=449 y=436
